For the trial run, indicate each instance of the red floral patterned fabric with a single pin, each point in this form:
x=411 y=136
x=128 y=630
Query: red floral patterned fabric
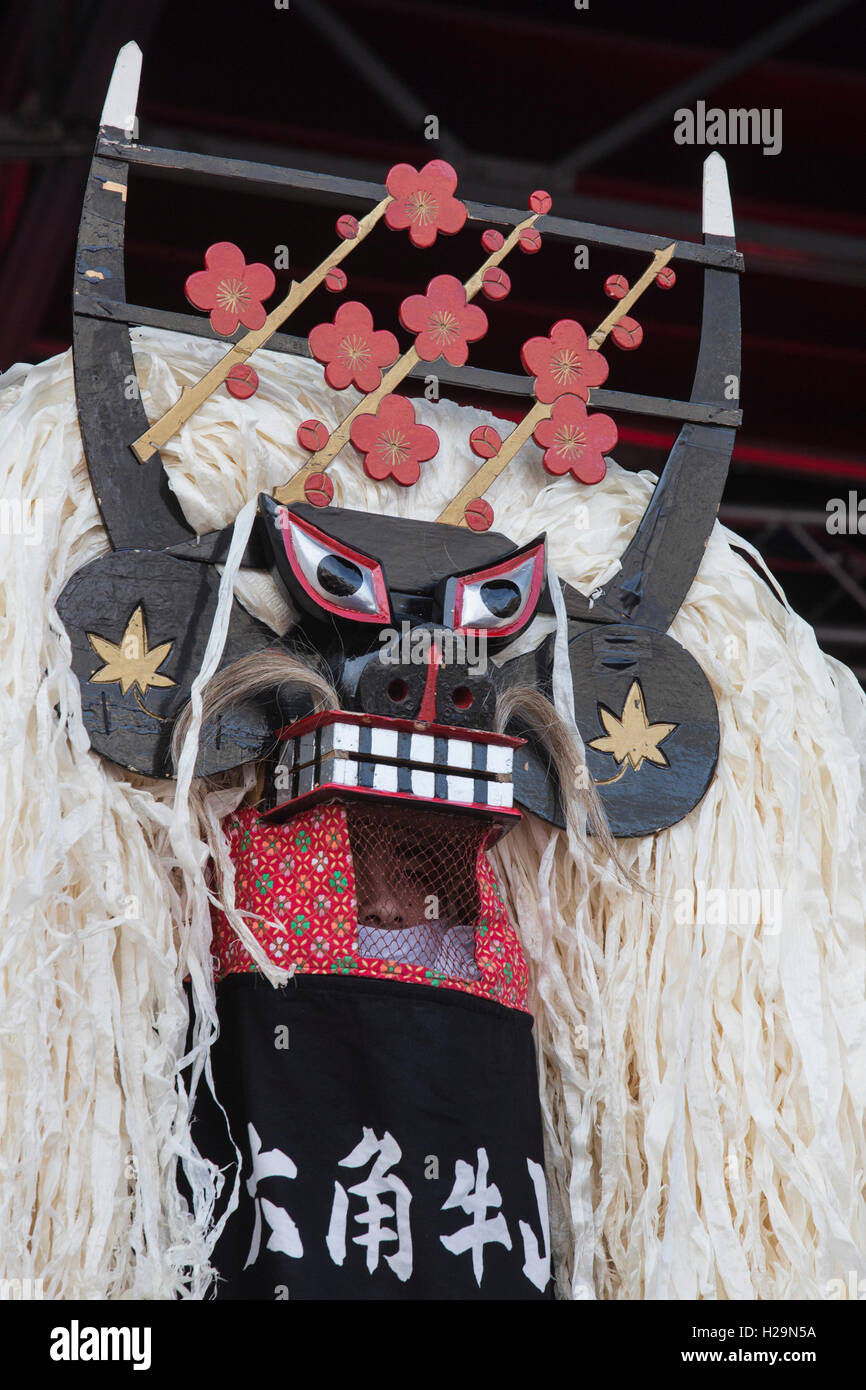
x=300 y=877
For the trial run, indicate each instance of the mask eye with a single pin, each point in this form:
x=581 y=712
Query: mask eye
x=336 y=578
x=499 y=600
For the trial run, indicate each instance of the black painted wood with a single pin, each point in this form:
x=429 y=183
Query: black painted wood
x=468 y=378
x=604 y=664
x=662 y=559
x=136 y=504
x=605 y=661
x=582 y=609
x=534 y=777
x=178 y=601
x=271 y=178
x=416 y=555
x=212 y=548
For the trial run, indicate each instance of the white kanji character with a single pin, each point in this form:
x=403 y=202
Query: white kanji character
x=536 y=1265
x=387 y=1152
x=284 y=1236
x=475 y=1198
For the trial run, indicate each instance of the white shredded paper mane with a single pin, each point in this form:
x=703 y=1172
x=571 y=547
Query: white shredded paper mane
x=703 y=1069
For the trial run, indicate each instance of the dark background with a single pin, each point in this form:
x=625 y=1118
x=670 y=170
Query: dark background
x=528 y=95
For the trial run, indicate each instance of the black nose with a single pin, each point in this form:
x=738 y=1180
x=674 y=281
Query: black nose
x=442 y=682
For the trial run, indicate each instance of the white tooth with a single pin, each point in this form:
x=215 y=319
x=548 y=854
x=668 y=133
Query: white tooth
x=461 y=789
x=423 y=783
x=500 y=794
x=459 y=752
x=306 y=747
x=383 y=743
x=421 y=748
x=499 y=758
x=344 y=772
x=345 y=737
x=385 y=777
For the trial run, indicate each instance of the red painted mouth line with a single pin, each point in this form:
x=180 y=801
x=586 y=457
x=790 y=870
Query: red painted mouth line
x=404 y=726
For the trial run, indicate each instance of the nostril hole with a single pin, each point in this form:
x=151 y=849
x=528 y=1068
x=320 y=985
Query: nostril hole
x=398 y=690
x=462 y=697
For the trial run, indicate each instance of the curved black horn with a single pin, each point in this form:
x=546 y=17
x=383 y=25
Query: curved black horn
x=662 y=559
x=135 y=501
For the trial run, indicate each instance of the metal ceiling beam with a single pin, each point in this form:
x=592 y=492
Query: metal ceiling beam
x=662 y=107
x=846 y=636
x=829 y=563
x=377 y=75
x=757 y=515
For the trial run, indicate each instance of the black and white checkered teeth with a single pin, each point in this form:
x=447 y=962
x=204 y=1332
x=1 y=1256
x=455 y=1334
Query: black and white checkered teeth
x=341 y=753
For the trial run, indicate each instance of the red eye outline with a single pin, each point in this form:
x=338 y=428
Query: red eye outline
x=535 y=552
x=370 y=567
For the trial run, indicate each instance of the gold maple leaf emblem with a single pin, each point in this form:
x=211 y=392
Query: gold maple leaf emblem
x=130 y=661
x=632 y=736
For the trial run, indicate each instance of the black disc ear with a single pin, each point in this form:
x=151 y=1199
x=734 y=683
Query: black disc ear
x=649 y=722
x=139 y=623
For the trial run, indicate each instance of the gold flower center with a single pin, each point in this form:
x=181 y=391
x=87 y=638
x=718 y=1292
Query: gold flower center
x=442 y=326
x=232 y=295
x=565 y=365
x=422 y=207
x=356 y=350
x=395 y=446
x=570 y=441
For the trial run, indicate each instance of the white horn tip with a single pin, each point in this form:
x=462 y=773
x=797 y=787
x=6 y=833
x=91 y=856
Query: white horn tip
x=718 y=214
x=121 y=98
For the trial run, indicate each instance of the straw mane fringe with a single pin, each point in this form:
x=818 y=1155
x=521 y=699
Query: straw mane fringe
x=703 y=1071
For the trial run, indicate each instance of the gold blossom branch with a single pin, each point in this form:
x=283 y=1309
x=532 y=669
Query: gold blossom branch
x=483 y=477
x=194 y=396
x=622 y=306
x=293 y=490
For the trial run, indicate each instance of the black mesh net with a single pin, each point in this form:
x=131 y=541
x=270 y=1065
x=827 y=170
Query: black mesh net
x=415 y=878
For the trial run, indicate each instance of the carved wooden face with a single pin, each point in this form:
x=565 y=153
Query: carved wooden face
x=405 y=614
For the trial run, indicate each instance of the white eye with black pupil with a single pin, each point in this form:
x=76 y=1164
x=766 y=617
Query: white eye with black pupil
x=498 y=600
x=334 y=577
x=338 y=576
x=494 y=603
x=502 y=597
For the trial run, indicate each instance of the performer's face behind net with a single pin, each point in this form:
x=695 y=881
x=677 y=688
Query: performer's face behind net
x=415 y=879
